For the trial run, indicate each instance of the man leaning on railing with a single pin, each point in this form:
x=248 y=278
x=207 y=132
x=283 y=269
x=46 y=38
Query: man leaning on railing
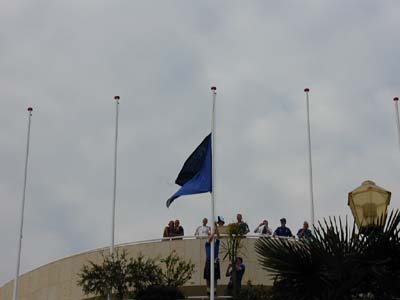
x=244 y=228
x=263 y=229
x=283 y=231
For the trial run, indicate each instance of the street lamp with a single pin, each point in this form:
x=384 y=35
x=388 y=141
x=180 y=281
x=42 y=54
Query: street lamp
x=369 y=203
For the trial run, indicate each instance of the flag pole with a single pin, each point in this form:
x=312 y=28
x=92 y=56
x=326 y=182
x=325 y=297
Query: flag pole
x=396 y=104
x=213 y=192
x=307 y=90
x=16 y=281
x=116 y=98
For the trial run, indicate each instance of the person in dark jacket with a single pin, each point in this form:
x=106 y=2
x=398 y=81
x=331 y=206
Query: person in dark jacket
x=283 y=231
x=304 y=233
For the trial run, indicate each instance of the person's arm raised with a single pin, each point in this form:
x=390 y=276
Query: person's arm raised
x=216 y=230
x=211 y=235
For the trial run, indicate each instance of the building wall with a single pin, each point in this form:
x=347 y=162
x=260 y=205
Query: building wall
x=57 y=280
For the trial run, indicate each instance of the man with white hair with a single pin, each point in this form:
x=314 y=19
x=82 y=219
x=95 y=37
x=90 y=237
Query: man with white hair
x=304 y=233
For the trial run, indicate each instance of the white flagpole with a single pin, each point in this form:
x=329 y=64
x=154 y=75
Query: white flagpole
x=16 y=281
x=307 y=90
x=116 y=98
x=213 y=154
x=396 y=104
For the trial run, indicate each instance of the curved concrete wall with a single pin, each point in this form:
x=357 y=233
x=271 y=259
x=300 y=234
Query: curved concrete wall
x=57 y=280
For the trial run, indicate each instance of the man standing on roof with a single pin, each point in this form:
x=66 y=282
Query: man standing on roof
x=203 y=230
x=263 y=229
x=283 y=231
x=304 y=233
x=244 y=228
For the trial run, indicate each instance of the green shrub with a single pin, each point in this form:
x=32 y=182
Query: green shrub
x=253 y=292
x=177 y=271
x=124 y=276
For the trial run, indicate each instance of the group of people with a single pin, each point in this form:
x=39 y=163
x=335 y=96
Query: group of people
x=283 y=231
x=174 y=229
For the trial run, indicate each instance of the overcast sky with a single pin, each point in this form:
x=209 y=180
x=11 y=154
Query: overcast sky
x=69 y=58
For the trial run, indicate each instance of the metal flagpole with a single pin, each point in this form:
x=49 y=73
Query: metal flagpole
x=16 y=281
x=116 y=98
x=213 y=154
x=307 y=90
x=396 y=104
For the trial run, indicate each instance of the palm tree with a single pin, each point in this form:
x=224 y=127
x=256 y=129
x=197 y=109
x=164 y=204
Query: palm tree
x=336 y=262
x=232 y=247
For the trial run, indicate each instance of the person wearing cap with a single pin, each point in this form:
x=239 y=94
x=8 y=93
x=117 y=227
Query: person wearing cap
x=207 y=271
x=222 y=229
x=203 y=230
x=244 y=228
x=304 y=233
x=263 y=228
x=283 y=231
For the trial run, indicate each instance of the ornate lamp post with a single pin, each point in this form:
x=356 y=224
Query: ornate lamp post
x=368 y=204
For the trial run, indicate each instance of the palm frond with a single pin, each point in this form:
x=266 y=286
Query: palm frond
x=337 y=262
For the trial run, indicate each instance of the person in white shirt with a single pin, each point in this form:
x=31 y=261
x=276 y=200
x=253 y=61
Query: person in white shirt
x=263 y=228
x=203 y=230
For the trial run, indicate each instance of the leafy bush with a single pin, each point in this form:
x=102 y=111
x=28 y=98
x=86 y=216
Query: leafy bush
x=128 y=277
x=177 y=272
x=143 y=273
x=110 y=275
x=253 y=292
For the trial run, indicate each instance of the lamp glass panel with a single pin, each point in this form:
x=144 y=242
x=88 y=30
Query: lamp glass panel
x=369 y=206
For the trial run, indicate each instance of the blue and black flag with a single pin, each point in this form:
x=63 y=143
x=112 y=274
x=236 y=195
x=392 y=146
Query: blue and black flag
x=195 y=176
